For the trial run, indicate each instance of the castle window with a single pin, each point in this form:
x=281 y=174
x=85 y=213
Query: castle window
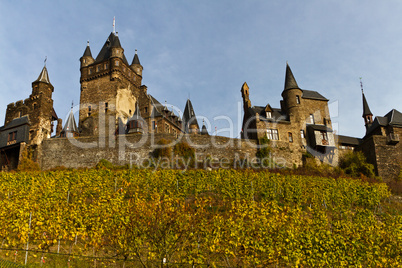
x=297 y=99
x=129 y=112
x=34 y=107
x=90 y=71
x=272 y=134
x=124 y=69
x=146 y=109
x=302 y=134
x=269 y=115
x=290 y=137
x=12 y=137
x=153 y=125
x=19 y=114
x=311 y=119
x=89 y=110
x=106 y=106
x=167 y=128
x=98 y=68
x=324 y=135
x=106 y=66
x=116 y=63
x=85 y=60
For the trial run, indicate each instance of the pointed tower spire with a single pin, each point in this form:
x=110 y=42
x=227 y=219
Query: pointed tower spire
x=290 y=81
x=367 y=115
x=87 y=52
x=43 y=76
x=136 y=60
x=189 y=119
x=70 y=128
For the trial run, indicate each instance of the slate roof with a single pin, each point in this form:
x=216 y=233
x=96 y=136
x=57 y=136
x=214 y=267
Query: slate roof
x=105 y=53
x=347 y=140
x=43 y=76
x=189 y=116
x=366 y=109
x=276 y=114
x=70 y=125
x=290 y=81
x=314 y=95
x=136 y=115
x=17 y=122
x=136 y=60
x=393 y=118
x=87 y=52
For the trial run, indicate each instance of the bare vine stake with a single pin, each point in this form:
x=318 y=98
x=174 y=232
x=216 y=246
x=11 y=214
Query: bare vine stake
x=58 y=247
x=29 y=228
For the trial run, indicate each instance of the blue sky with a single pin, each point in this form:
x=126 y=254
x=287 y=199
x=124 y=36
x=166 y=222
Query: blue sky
x=208 y=49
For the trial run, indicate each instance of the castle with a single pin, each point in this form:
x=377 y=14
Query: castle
x=116 y=112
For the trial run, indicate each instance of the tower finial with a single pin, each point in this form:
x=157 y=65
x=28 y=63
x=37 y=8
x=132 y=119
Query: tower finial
x=88 y=43
x=72 y=104
x=361 y=84
x=114 y=25
x=45 y=60
x=136 y=51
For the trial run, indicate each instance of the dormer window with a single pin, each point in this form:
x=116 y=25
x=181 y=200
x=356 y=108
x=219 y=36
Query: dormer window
x=98 y=68
x=90 y=71
x=106 y=66
x=269 y=115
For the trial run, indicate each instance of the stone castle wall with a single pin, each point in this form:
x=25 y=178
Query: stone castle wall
x=135 y=149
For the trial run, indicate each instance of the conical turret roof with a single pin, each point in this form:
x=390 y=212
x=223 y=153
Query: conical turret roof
x=366 y=108
x=87 y=52
x=189 y=117
x=70 y=125
x=136 y=115
x=290 y=81
x=43 y=76
x=136 y=60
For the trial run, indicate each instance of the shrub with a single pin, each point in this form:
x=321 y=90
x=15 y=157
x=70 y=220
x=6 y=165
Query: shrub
x=104 y=164
x=26 y=163
x=355 y=164
x=164 y=149
x=185 y=152
x=264 y=151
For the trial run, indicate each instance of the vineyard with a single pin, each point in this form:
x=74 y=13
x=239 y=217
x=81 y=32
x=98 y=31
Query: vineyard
x=220 y=218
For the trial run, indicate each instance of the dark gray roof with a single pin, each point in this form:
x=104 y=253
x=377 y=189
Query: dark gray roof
x=204 y=130
x=290 y=81
x=136 y=115
x=346 y=140
x=87 y=52
x=319 y=128
x=366 y=109
x=17 y=122
x=105 y=53
x=70 y=125
x=314 y=95
x=43 y=76
x=393 y=118
x=189 y=117
x=276 y=114
x=136 y=60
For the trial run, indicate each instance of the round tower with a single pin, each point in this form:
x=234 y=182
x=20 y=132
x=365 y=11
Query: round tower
x=86 y=58
x=136 y=65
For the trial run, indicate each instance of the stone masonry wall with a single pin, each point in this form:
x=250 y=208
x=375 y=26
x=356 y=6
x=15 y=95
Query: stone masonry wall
x=136 y=148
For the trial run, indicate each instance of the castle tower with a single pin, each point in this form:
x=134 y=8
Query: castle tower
x=86 y=58
x=291 y=94
x=110 y=88
x=367 y=115
x=189 y=119
x=136 y=123
x=136 y=65
x=70 y=128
